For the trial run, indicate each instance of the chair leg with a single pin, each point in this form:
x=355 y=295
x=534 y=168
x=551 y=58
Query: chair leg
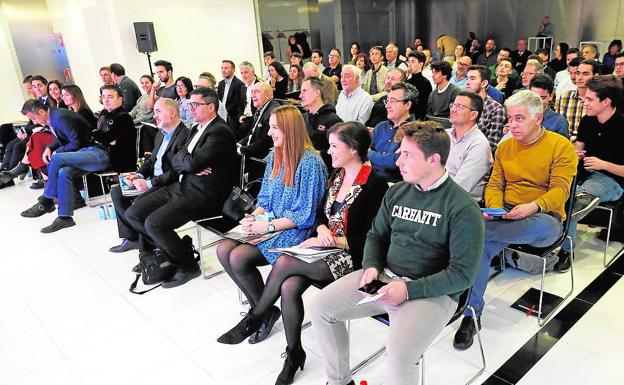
x=604 y=258
x=422 y=369
x=86 y=188
x=476 y=325
x=199 y=248
x=106 y=215
x=367 y=360
x=542 y=321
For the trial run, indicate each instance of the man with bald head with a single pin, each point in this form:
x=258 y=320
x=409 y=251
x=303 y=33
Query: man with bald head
x=459 y=78
x=255 y=140
x=311 y=70
x=155 y=172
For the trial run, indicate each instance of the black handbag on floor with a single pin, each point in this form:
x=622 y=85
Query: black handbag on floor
x=240 y=202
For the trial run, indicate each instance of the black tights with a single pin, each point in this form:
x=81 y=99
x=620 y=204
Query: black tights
x=289 y=278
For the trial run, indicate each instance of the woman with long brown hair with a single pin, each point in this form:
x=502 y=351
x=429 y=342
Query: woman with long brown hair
x=291 y=193
x=75 y=101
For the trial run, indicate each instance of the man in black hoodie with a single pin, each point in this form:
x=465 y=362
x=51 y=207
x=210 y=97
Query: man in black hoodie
x=320 y=116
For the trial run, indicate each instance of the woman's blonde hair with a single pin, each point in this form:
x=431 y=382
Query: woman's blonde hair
x=296 y=141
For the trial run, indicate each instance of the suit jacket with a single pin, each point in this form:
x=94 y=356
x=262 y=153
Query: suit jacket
x=177 y=142
x=261 y=142
x=71 y=130
x=519 y=61
x=236 y=98
x=130 y=92
x=216 y=149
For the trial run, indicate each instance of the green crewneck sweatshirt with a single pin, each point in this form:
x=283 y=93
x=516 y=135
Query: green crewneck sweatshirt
x=433 y=237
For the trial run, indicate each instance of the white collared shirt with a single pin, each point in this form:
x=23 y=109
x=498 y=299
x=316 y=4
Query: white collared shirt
x=200 y=131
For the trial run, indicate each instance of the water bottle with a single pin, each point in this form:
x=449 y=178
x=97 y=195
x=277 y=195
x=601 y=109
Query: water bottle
x=102 y=213
x=111 y=211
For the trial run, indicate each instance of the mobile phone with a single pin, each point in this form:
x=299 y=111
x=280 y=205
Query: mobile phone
x=372 y=287
x=494 y=212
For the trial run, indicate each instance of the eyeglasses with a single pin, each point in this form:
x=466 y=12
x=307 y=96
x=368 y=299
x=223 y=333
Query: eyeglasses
x=195 y=105
x=528 y=73
x=462 y=64
x=394 y=101
x=620 y=64
x=460 y=107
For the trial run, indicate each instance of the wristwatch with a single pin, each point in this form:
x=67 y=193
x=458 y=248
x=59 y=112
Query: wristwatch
x=270 y=227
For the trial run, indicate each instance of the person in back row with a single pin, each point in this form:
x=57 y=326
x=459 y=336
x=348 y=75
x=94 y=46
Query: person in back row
x=156 y=172
x=424 y=244
x=444 y=93
x=354 y=104
x=531 y=177
x=351 y=202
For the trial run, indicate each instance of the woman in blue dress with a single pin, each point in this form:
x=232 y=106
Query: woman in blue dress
x=291 y=193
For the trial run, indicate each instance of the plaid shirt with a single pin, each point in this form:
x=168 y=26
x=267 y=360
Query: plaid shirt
x=492 y=121
x=571 y=106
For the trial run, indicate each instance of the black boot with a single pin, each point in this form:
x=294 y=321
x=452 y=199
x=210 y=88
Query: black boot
x=295 y=358
x=19 y=170
x=245 y=328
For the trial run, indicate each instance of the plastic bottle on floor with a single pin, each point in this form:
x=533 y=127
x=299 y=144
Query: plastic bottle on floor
x=102 y=213
x=111 y=211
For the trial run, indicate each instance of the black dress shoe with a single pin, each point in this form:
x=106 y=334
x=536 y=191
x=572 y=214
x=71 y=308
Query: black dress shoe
x=19 y=170
x=266 y=326
x=182 y=276
x=6 y=183
x=136 y=269
x=38 y=185
x=126 y=245
x=563 y=264
x=38 y=210
x=58 y=224
x=465 y=334
x=246 y=327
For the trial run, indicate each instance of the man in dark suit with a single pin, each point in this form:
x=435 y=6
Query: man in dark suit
x=520 y=56
x=156 y=172
x=130 y=91
x=256 y=142
x=232 y=92
x=207 y=168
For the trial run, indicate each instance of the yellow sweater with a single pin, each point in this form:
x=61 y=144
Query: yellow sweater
x=540 y=172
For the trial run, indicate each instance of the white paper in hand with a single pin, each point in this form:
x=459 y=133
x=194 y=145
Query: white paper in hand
x=371 y=298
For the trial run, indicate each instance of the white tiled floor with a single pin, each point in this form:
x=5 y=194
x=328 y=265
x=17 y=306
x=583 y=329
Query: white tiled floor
x=66 y=317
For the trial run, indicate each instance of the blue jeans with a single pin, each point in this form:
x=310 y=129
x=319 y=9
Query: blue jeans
x=64 y=167
x=601 y=186
x=539 y=230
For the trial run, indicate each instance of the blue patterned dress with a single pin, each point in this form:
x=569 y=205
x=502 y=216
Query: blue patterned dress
x=298 y=203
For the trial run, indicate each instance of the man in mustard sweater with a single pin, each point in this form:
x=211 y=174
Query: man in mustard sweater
x=425 y=244
x=531 y=177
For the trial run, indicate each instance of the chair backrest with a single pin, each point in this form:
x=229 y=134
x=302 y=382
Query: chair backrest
x=462 y=304
x=569 y=206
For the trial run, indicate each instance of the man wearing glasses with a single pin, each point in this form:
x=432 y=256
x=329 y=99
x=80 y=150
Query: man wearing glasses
x=619 y=65
x=207 y=168
x=383 y=153
x=459 y=78
x=470 y=157
x=335 y=68
x=493 y=117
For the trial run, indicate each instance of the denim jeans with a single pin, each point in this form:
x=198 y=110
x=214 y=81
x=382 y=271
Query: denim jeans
x=64 y=167
x=601 y=186
x=539 y=230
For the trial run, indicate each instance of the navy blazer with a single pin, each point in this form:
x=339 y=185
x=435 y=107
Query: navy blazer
x=216 y=149
x=177 y=143
x=71 y=130
x=236 y=98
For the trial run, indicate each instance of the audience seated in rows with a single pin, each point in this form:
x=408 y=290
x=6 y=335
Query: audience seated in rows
x=207 y=167
x=424 y=243
x=155 y=173
x=470 y=156
x=531 y=177
x=571 y=104
x=376 y=75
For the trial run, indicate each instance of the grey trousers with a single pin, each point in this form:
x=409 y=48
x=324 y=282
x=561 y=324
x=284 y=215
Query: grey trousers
x=413 y=326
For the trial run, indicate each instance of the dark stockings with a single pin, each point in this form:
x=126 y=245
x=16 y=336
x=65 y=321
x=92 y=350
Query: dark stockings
x=241 y=262
x=290 y=278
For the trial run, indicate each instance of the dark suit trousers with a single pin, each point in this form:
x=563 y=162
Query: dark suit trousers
x=122 y=204
x=15 y=151
x=157 y=215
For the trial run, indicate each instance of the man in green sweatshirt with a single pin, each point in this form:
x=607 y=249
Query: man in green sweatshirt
x=425 y=244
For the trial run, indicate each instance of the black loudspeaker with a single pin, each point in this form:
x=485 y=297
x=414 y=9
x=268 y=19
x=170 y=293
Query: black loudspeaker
x=145 y=36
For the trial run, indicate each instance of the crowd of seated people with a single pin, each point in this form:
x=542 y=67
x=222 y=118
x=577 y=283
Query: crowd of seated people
x=480 y=126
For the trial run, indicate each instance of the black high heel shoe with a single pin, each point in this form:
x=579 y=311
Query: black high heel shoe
x=295 y=358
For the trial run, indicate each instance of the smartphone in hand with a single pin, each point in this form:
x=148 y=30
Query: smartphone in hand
x=372 y=287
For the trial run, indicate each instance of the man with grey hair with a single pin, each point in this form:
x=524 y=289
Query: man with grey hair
x=249 y=78
x=156 y=172
x=531 y=178
x=329 y=87
x=354 y=104
x=392 y=58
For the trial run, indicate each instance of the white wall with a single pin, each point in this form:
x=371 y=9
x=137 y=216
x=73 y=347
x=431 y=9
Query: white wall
x=195 y=35
x=11 y=96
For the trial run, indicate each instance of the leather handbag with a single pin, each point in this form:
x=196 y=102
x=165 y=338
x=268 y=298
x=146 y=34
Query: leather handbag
x=240 y=202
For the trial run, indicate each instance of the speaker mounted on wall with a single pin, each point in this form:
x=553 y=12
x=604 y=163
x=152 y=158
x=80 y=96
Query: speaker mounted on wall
x=145 y=37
